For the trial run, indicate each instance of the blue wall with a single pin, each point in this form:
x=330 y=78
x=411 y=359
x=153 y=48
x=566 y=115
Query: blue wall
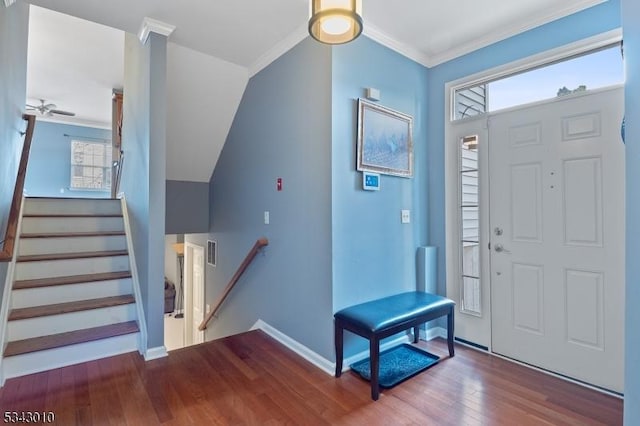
x=14 y=24
x=187 y=208
x=282 y=129
x=331 y=243
x=595 y=20
x=143 y=175
x=49 y=171
x=374 y=254
x=631 y=31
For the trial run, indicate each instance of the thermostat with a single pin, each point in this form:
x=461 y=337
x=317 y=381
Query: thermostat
x=370 y=181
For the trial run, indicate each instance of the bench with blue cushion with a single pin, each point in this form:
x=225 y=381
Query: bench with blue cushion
x=385 y=317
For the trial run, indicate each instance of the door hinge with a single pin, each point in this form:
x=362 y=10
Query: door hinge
x=489 y=246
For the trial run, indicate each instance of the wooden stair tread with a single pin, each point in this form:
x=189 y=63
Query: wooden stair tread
x=73 y=234
x=52 y=341
x=66 y=256
x=67 y=307
x=71 y=279
x=63 y=215
x=70 y=198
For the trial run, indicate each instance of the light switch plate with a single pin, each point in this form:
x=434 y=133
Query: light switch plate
x=266 y=217
x=405 y=216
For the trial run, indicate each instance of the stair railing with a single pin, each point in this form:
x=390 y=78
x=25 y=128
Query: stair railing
x=117 y=174
x=14 y=212
x=261 y=242
x=10 y=241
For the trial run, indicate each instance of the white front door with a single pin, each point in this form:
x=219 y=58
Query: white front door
x=557 y=236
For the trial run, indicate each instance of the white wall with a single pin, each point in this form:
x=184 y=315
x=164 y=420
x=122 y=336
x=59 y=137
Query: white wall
x=203 y=95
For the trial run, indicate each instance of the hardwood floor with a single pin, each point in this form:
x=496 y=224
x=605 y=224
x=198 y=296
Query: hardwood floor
x=251 y=379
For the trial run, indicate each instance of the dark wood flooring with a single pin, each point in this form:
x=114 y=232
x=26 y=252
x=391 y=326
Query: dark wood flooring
x=251 y=379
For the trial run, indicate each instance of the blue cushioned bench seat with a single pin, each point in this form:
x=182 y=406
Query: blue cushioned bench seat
x=385 y=317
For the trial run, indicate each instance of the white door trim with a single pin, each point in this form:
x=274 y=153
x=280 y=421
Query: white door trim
x=188 y=293
x=452 y=231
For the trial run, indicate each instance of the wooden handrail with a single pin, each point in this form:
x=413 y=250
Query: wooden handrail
x=12 y=223
x=261 y=242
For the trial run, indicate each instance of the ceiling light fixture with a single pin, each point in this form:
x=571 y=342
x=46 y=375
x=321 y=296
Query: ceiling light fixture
x=335 y=21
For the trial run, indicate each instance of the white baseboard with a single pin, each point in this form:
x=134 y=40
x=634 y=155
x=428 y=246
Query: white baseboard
x=433 y=333
x=323 y=363
x=306 y=353
x=155 y=353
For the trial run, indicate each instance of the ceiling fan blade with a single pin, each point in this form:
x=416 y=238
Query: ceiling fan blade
x=61 y=112
x=50 y=106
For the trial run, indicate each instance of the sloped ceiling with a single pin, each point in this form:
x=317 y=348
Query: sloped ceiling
x=204 y=93
x=227 y=41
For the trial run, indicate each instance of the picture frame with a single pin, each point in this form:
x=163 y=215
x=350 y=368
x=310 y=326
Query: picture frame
x=385 y=140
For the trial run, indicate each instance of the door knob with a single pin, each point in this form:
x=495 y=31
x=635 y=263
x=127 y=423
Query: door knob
x=500 y=249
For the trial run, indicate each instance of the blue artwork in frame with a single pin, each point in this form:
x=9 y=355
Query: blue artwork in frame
x=385 y=140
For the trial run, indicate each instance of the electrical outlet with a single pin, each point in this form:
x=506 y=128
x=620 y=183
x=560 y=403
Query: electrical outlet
x=208 y=308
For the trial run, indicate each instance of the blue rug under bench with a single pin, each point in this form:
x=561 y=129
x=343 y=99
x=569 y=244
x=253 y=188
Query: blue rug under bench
x=397 y=364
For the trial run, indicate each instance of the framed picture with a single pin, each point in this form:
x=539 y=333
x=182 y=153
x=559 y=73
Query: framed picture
x=385 y=140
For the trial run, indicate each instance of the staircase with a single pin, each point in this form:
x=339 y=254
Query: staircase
x=72 y=298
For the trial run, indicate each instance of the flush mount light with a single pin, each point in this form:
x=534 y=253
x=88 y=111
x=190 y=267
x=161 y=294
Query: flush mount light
x=335 y=21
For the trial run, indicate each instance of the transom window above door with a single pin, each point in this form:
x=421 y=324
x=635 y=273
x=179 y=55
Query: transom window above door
x=592 y=70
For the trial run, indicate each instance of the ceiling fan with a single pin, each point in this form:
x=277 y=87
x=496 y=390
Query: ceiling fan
x=48 y=109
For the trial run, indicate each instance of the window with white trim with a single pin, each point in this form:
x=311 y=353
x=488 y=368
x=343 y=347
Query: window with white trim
x=470 y=296
x=90 y=166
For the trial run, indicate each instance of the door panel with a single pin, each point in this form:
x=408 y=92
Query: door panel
x=556 y=173
x=583 y=201
x=198 y=293
x=527 y=290
x=526 y=202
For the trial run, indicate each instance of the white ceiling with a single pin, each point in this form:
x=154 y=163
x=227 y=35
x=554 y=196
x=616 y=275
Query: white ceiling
x=76 y=65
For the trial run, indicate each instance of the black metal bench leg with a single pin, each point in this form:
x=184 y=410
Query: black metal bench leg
x=374 y=357
x=338 y=341
x=416 y=334
x=450 y=331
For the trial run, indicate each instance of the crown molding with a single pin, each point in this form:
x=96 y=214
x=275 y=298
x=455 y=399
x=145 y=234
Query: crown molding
x=150 y=25
x=282 y=47
x=8 y=3
x=379 y=36
x=417 y=55
x=510 y=31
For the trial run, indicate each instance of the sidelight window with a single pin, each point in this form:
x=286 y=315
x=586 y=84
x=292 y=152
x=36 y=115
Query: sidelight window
x=470 y=226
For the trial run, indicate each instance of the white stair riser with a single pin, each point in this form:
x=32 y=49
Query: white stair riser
x=31 y=225
x=62 y=268
x=54 y=324
x=68 y=206
x=29 y=246
x=25 y=298
x=21 y=365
